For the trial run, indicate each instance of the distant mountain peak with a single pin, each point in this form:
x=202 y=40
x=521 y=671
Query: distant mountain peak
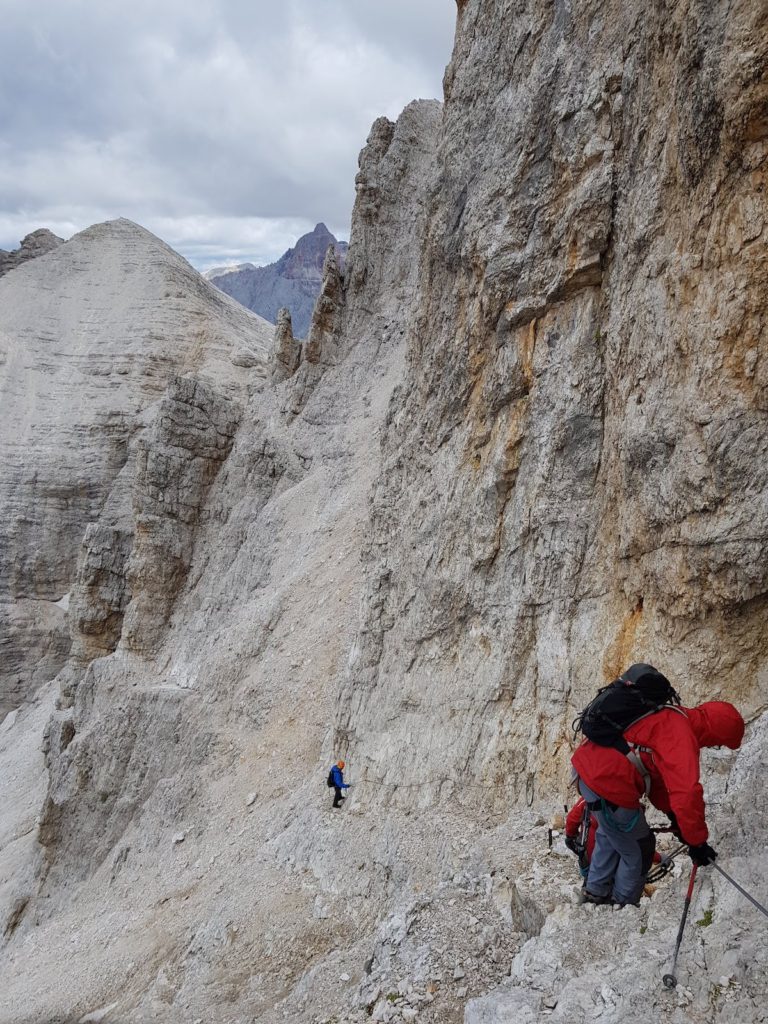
x=292 y=282
x=36 y=243
x=232 y=268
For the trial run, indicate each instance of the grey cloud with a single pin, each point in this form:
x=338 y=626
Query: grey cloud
x=204 y=112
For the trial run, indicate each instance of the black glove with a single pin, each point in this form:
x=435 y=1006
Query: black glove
x=702 y=854
x=572 y=845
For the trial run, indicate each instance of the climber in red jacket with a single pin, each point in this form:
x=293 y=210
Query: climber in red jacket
x=573 y=826
x=578 y=843
x=668 y=744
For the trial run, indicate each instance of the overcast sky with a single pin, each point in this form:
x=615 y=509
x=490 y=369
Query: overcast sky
x=228 y=127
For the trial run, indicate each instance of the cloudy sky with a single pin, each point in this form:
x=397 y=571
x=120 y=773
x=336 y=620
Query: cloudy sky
x=228 y=127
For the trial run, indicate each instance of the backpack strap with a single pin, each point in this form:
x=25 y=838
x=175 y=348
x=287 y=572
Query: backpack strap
x=674 y=707
x=634 y=758
x=636 y=749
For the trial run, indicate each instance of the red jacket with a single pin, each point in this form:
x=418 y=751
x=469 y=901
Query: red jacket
x=573 y=825
x=675 y=740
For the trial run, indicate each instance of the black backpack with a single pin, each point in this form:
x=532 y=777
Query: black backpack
x=640 y=692
x=331 y=783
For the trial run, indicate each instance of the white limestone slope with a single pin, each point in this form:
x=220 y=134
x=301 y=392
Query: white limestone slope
x=90 y=335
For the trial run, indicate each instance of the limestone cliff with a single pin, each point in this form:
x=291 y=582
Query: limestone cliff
x=576 y=462
x=90 y=335
x=528 y=447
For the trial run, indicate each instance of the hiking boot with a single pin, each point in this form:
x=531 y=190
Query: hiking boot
x=600 y=901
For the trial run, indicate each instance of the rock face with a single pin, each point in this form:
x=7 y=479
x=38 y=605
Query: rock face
x=147 y=555
x=38 y=243
x=90 y=336
x=325 y=318
x=571 y=461
x=293 y=282
x=529 y=449
x=175 y=467
x=287 y=351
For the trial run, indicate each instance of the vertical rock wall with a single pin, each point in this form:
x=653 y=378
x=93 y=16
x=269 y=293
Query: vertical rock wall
x=175 y=466
x=575 y=470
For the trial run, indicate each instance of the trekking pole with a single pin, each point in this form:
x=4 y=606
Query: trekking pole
x=743 y=892
x=670 y=981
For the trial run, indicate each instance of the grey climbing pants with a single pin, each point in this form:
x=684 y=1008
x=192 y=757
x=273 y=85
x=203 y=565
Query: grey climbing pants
x=623 y=854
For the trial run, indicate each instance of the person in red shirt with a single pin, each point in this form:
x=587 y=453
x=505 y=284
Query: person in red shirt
x=574 y=838
x=668 y=743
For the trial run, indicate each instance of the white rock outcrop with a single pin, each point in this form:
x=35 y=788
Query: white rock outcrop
x=286 y=353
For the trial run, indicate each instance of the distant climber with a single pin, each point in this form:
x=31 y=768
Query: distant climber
x=336 y=780
x=639 y=741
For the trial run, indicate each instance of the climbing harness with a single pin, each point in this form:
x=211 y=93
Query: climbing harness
x=611 y=821
x=607 y=809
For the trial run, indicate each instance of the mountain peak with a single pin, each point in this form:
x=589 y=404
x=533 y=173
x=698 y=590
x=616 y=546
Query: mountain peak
x=36 y=243
x=305 y=259
x=293 y=281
